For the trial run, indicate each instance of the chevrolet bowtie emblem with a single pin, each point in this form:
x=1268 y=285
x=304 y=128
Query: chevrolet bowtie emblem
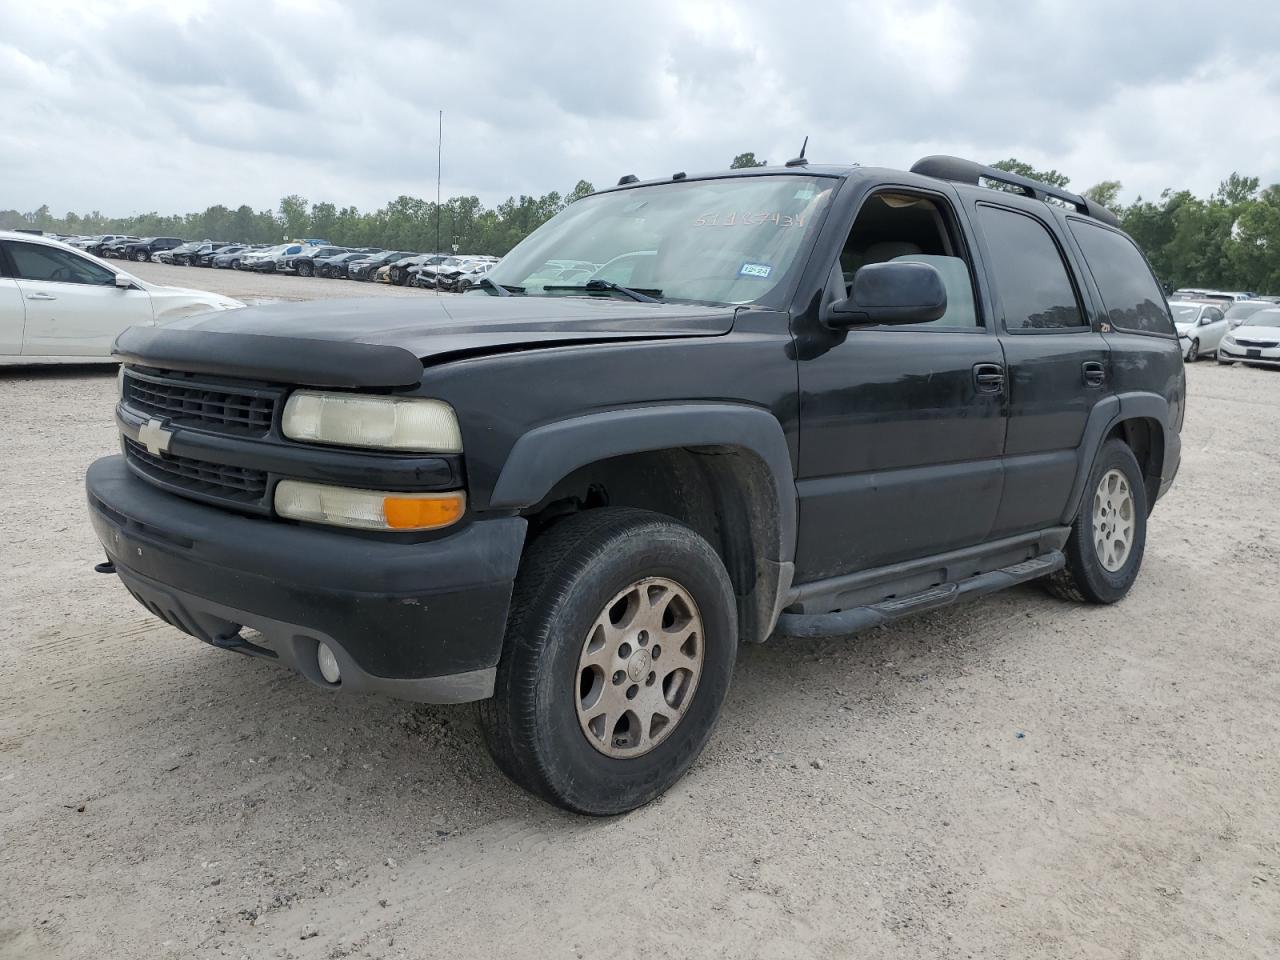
x=155 y=437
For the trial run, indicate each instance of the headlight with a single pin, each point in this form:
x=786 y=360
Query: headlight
x=389 y=423
x=367 y=509
x=1229 y=341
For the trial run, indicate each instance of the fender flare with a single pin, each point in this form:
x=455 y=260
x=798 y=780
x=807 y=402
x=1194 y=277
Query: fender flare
x=1106 y=413
x=546 y=454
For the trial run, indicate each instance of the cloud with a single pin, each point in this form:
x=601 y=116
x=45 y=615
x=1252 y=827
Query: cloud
x=173 y=107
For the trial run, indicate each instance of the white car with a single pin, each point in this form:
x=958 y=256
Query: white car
x=59 y=305
x=1257 y=340
x=1242 y=310
x=1201 y=327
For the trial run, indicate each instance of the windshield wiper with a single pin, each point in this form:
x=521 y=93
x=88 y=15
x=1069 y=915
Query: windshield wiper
x=644 y=296
x=499 y=289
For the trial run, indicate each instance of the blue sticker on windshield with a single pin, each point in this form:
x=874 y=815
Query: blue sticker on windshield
x=761 y=270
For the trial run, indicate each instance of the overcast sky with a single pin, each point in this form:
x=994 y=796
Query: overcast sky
x=132 y=106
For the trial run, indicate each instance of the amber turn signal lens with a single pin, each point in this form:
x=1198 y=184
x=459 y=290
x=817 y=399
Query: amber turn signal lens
x=422 y=513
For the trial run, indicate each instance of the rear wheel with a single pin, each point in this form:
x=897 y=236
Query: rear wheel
x=619 y=650
x=1109 y=535
x=306 y=268
x=141 y=256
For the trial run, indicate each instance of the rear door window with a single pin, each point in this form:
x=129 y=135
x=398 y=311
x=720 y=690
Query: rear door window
x=1130 y=294
x=1031 y=278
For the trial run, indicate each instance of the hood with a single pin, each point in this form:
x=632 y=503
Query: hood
x=307 y=338
x=1184 y=328
x=1246 y=332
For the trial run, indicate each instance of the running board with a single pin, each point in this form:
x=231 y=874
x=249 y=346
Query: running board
x=844 y=622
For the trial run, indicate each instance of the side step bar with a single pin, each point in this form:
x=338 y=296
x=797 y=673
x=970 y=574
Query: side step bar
x=844 y=622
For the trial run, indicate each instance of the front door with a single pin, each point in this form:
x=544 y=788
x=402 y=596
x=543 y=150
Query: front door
x=12 y=315
x=73 y=307
x=1058 y=366
x=901 y=427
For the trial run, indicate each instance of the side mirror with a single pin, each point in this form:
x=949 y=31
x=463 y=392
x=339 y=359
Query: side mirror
x=896 y=292
x=125 y=283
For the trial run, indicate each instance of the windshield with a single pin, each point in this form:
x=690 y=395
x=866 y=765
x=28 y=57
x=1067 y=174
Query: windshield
x=730 y=240
x=1265 y=318
x=1242 y=310
x=1184 y=313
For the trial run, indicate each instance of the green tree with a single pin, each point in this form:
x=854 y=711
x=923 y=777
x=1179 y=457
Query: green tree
x=583 y=188
x=1106 y=193
x=1051 y=177
x=295 y=216
x=745 y=160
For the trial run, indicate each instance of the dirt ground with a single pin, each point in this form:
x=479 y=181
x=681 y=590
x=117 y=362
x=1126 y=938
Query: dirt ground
x=1015 y=778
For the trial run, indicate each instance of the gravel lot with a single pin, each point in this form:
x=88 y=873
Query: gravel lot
x=265 y=287
x=1015 y=778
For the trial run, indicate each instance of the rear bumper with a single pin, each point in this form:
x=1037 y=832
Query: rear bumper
x=419 y=621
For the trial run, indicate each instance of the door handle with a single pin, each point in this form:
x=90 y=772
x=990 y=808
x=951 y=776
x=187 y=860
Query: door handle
x=41 y=296
x=988 y=377
x=1095 y=375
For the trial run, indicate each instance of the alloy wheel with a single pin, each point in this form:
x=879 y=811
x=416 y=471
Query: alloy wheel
x=639 y=667
x=1113 y=520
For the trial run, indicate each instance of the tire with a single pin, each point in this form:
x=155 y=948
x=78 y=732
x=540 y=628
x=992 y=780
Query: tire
x=538 y=726
x=269 y=267
x=323 y=271
x=1193 y=351
x=1087 y=577
x=463 y=286
x=306 y=268
x=235 y=264
x=141 y=256
x=396 y=276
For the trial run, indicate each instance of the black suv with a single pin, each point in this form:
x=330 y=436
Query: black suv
x=141 y=250
x=803 y=400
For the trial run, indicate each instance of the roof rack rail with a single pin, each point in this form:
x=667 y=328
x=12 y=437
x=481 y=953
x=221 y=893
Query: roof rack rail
x=967 y=171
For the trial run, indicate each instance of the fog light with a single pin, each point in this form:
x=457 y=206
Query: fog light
x=328 y=664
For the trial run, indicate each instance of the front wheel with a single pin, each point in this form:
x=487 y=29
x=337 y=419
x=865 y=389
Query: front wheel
x=305 y=269
x=1109 y=535
x=1193 y=351
x=620 y=645
x=141 y=256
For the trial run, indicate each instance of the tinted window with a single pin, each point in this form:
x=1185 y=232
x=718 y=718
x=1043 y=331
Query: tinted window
x=35 y=262
x=1129 y=292
x=1031 y=278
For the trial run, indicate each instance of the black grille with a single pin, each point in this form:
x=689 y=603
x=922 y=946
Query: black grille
x=212 y=481
x=1265 y=344
x=242 y=411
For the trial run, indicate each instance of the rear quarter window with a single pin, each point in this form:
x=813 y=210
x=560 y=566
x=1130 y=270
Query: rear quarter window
x=1130 y=294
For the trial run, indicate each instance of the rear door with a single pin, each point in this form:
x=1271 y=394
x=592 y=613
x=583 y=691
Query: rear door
x=73 y=307
x=1057 y=364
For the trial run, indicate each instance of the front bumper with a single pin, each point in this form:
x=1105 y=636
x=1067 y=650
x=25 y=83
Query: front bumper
x=418 y=621
x=1235 y=352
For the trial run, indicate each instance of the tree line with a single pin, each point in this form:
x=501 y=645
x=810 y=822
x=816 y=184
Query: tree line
x=1227 y=240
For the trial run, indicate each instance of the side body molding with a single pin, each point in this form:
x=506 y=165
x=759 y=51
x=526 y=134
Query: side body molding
x=545 y=454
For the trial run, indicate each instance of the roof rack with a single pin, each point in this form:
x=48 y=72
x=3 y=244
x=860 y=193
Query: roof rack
x=967 y=171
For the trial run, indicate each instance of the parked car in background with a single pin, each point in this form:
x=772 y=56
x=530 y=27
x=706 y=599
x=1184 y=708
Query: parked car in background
x=111 y=248
x=179 y=255
x=1201 y=327
x=1256 y=341
x=1242 y=310
x=228 y=258
x=61 y=305
x=364 y=269
x=335 y=267
x=270 y=259
x=469 y=277
x=144 y=249
x=303 y=263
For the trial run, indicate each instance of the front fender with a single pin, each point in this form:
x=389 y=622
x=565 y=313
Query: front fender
x=544 y=455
